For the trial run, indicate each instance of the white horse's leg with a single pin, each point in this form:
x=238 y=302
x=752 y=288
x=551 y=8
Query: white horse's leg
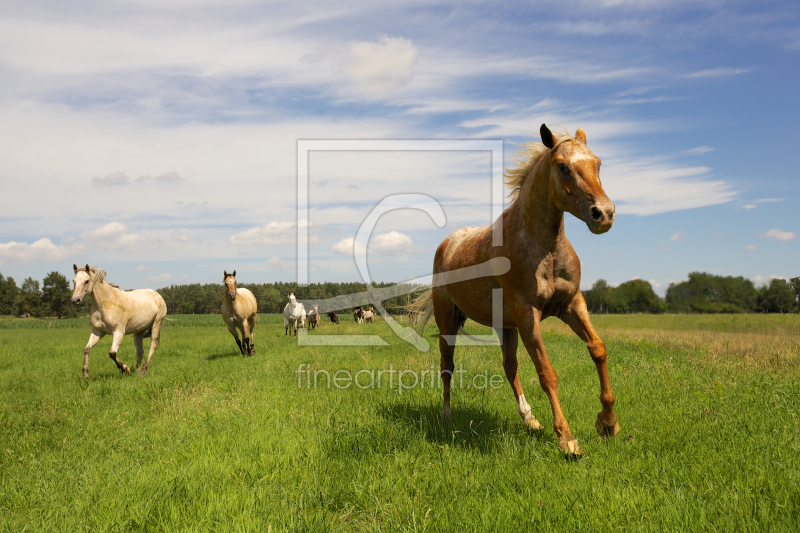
x=94 y=338
x=155 y=336
x=115 y=342
x=137 y=341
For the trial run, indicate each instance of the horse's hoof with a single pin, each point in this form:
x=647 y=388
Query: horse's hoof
x=85 y=374
x=571 y=449
x=533 y=424
x=447 y=412
x=126 y=369
x=606 y=431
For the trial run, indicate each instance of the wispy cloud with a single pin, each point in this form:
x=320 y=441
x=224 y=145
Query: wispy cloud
x=117 y=178
x=678 y=236
x=717 y=72
x=775 y=233
x=700 y=150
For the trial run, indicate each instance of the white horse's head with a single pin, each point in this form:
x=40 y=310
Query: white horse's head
x=292 y=299
x=230 y=284
x=84 y=281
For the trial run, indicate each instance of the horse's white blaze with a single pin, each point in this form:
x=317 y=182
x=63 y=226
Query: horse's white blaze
x=580 y=156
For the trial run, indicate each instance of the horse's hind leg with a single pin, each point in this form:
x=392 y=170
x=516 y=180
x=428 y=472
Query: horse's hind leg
x=137 y=342
x=445 y=315
x=115 y=342
x=577 y=317
x=511 y=366
x=246 y=336
x=94 y=338
x=252 y=336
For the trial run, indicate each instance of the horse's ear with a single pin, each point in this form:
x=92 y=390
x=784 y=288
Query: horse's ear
x=226 y=274
x=547 y=136
x=234 y=274
x=581 y=135
x=75 y=267
x=88 y=269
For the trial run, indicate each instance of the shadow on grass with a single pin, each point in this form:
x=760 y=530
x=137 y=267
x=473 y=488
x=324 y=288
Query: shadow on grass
x=409 y=425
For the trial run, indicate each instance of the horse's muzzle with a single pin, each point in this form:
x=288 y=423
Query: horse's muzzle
x=602 y=217
x=232 y=295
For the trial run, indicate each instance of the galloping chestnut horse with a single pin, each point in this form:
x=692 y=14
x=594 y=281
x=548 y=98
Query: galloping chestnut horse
x=240 y=310
x=560 y=175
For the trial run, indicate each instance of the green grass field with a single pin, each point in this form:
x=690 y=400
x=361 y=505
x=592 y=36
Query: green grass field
x=213 y=441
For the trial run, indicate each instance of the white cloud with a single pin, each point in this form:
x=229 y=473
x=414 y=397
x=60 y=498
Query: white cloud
x=273 y=233
x=678 y=236
x=775 y=233
x=764 y=280
x=117 y=178
x=717 y=72
x=110 y=230
x=117 y=237
x=169 y=177
x=141 y=268
x=382 y=67
x=276 y=263
x=42 y=250
x=392 y=243
x=751 y=248
x=749 y=206
x=655 y=284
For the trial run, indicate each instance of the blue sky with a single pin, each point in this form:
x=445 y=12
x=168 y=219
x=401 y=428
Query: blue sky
x=161 y=142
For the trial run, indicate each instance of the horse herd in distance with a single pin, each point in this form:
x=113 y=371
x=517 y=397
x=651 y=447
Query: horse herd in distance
x=141 y=312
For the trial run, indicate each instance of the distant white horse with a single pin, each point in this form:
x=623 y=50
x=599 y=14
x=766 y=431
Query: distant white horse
x=118 y=313
x=368 y=316
x=293 y=313
x=240 y=310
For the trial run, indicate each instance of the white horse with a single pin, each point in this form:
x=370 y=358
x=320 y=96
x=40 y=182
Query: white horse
x=118 y=313
x=293 y=313
x=240 y=310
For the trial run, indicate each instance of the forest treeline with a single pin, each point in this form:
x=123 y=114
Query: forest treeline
x=701 y=293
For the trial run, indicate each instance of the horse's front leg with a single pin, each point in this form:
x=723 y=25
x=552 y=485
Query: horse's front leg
x=252 y=336
x=528 y=319
x=94 y=338
x=235 y=334
x=577 y=317
x=115 y=342
x=511 y=367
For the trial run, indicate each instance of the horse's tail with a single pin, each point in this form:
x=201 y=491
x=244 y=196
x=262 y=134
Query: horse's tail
x=420 y=310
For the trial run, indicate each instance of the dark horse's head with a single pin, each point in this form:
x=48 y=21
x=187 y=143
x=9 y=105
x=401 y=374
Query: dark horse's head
x=574 y=180
x=230 y=284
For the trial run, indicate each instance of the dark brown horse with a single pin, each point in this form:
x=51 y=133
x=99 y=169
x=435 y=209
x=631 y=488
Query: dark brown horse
x=334 y=318
x=560 y=175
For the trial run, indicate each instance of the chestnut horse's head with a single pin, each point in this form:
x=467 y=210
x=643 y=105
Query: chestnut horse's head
x=230 y=284
x=574 y=180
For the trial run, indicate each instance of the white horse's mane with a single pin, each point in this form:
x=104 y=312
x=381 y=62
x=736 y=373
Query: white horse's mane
x=96 y=275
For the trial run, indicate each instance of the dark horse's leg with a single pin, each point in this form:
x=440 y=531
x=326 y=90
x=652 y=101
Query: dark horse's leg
x=445 y=314
x=527 y=318
x=235 y=334
x=510 y=365
x=576 y=316
x=115 y=342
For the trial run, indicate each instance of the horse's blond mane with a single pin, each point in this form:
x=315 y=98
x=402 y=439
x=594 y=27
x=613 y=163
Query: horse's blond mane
x=525 y=160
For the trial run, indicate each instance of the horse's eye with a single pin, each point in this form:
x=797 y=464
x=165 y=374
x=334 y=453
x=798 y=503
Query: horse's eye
x=563 y=168
x=86 y=282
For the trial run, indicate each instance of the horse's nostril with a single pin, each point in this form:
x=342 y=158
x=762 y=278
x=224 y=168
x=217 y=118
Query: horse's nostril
x=596 y=213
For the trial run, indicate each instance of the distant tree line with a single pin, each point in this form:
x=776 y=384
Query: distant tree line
x=271 y=297
x=701 y=293
x=51 y=299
